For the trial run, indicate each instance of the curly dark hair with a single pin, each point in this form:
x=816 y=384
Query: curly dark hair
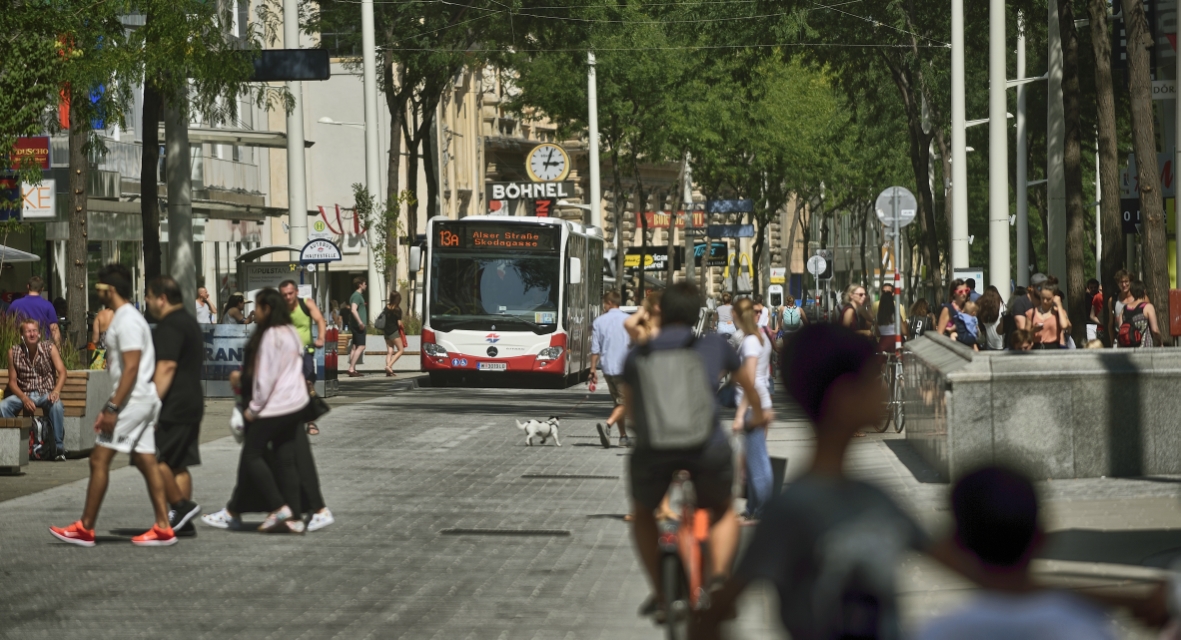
x=989 y=307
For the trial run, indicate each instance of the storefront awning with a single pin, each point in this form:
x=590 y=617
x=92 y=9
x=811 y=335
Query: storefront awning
x=10 y=255
x=239 y=137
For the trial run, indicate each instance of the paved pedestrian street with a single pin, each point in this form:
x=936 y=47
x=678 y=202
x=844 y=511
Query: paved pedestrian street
x=448 y=526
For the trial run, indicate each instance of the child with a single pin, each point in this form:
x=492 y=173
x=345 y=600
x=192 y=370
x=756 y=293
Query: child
x=831 y=582
x=1022 y=340
x=997 y=532
x=970 y=336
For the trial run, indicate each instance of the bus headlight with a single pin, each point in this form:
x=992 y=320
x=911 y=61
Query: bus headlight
x=549 y=353
x=433 y=350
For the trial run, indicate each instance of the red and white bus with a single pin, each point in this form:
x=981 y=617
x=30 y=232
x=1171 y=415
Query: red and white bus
x=509 y=295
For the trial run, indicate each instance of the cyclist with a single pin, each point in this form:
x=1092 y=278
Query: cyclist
x=649 y=398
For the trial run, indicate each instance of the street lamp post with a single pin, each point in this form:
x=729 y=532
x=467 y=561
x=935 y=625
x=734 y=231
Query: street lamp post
x=592 y=122
x=297 y=197
x=998 y=151
x=372 y=159
x=959 y=153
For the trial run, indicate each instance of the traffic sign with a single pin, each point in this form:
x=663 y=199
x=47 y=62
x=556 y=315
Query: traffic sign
x=896 y=204
x=817 y=265
x=729 y=206
x=319 y=230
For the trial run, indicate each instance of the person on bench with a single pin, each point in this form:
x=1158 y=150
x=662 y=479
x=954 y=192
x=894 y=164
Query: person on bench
x=36 y=375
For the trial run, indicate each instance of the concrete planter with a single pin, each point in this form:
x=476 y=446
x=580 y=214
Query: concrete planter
x=14 y=445
x=1064 y=414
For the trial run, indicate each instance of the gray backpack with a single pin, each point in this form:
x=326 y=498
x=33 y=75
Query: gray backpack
x=675 y=400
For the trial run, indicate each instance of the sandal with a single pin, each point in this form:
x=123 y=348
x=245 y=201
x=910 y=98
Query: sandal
x=313 y=430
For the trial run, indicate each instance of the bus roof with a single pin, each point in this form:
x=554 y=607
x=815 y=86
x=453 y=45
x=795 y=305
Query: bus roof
x=575 y=227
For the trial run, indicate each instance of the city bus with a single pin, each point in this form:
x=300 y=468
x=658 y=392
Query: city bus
x=509 y=296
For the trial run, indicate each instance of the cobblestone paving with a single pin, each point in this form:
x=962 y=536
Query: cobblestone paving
x=396 y=471
x=400 y=468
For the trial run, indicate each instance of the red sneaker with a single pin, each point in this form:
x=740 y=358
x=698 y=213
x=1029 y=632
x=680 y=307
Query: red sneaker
x=155 y=537
x=74 y=534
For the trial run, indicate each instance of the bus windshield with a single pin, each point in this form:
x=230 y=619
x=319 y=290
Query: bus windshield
x=479 y=291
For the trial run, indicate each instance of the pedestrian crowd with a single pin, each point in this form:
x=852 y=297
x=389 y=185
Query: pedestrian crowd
x=829 y=544
x=154 y=413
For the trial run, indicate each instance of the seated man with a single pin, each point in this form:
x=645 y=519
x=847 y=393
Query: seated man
x=36 y=376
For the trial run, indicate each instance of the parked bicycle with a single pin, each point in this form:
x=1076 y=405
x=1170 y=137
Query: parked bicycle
x=684 y=555
x=892 y=378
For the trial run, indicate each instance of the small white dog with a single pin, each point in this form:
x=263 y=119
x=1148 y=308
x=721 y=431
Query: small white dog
x=541 y=429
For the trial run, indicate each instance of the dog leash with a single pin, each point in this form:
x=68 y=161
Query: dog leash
x=577 y=404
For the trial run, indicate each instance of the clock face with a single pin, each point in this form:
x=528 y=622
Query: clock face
x=548 y=163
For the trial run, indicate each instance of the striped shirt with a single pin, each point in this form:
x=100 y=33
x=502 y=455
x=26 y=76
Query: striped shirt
x=35 y=374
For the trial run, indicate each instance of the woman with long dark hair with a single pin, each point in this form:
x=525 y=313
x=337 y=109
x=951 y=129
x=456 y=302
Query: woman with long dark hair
x=959 y=293
x=272 y=371
x=989 y=315
x=393 y=333
x=885 y=321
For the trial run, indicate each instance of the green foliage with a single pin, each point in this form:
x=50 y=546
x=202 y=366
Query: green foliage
x=386 y=220
x=10 y=336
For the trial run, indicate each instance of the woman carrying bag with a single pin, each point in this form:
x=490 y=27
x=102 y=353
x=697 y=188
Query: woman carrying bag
x=394 y=332
x=756 y=359
x=273 y=363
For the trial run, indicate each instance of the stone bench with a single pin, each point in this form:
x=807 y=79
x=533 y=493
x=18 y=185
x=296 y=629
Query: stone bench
x=14 y=444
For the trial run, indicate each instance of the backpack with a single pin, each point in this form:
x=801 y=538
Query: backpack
x=379 y=323
x=42 y=443
x=791 y=318
x=1130 y=334
x=918 y=325
x=675 y=399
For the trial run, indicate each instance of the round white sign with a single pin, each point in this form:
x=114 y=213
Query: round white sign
x=896 y=203
x=816 y=265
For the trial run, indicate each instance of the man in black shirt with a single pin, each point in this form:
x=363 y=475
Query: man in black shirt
x=180 y=349
x=1022 y=304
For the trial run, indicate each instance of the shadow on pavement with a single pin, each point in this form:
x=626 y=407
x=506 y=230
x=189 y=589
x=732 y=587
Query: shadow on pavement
x=910 y=458
x=1150 y=547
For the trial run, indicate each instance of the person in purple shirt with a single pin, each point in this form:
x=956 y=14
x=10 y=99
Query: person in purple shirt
x=35 y=307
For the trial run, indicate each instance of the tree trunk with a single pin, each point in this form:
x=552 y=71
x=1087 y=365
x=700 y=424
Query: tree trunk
x=413 y=154
x=920 y=153
x=1078 y=307
x=149 y=190
x=76 y=254
x=1156 y=268
x=397 y=110
x=1110 y=222
x=865 y=232
x=431 y=167
x=641 y=209
x=619 y=200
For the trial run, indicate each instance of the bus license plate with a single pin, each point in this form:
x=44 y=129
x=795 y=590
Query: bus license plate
x=493 y=366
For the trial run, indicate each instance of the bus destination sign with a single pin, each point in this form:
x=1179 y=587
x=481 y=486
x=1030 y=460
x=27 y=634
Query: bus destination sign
x=496 y=237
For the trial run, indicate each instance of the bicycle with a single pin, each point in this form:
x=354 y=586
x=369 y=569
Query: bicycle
x=893 y=379
x=683 y=556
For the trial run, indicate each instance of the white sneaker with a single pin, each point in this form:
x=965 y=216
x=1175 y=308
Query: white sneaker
x=222 y=520
x=320 y=519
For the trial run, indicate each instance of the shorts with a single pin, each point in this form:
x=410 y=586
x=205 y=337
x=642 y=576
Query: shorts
x=358 y=340
x=615 y=387
x=176 y=445
x=710 y=467
x=134 y=429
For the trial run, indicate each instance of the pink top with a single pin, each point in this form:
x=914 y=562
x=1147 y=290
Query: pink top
x=279 y=387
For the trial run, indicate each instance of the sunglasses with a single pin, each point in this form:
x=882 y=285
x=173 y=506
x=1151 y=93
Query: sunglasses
x=959 y=291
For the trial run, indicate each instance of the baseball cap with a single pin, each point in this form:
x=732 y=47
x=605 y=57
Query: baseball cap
x=1037 y=278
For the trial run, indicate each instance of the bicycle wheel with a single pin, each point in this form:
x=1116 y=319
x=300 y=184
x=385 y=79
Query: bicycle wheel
x=897 y=400
x=676 y=598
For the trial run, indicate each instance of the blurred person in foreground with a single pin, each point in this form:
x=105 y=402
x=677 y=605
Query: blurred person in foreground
x=997 y=532
x=829 y=543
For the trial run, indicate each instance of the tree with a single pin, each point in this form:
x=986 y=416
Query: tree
x=98 y=61
x=421 y=46
x=1156 y=270
x=1113 y=246
x=1078 y=305
x=641 y=79
x=213 y=76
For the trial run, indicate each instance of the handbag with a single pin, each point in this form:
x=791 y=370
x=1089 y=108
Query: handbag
x=402 y=334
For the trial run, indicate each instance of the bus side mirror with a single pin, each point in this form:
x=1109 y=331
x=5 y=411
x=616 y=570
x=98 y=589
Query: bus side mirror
x=415 y=259
x=575 y=270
